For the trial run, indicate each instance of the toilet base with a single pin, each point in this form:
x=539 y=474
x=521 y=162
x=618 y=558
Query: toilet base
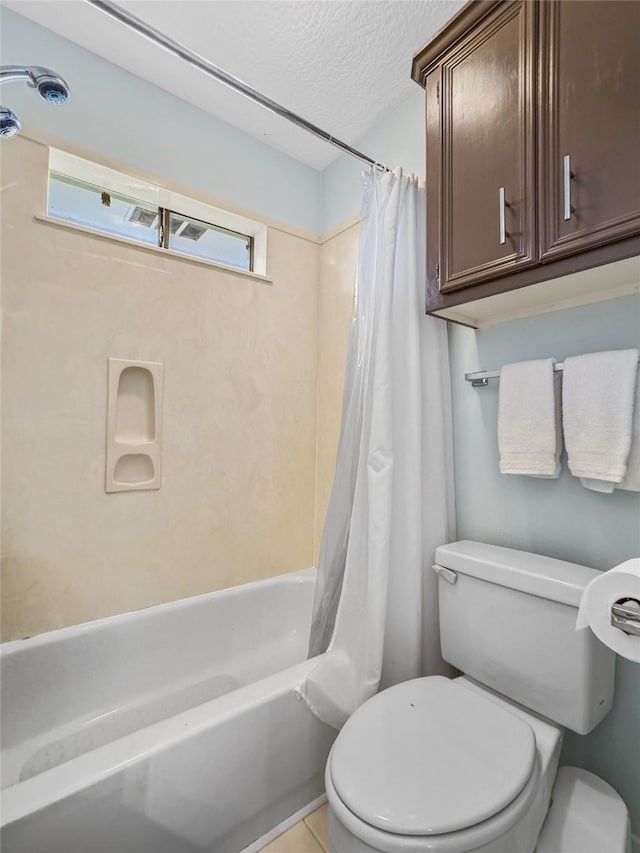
x=586 y=814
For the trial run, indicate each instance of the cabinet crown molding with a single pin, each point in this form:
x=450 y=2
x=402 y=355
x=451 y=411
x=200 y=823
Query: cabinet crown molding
x=457 y=27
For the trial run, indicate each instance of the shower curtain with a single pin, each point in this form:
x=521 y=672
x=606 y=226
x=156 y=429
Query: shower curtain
x=392 y=497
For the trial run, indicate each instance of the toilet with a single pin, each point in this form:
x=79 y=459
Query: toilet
x=471 y=764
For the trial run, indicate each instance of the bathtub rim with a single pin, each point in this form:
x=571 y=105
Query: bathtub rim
x=10 y=647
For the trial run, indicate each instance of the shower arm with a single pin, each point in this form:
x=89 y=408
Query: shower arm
x=11 y=73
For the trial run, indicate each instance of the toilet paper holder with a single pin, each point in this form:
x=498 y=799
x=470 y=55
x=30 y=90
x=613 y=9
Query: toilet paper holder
x=625 y=614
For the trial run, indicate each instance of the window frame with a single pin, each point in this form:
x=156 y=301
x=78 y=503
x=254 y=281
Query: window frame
x=164 y=234
x=126 y=187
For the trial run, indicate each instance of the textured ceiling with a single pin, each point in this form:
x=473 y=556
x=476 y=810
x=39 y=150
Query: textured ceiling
x=343 y=65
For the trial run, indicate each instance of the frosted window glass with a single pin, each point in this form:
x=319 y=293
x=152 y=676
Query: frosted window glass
x=94 y=207
x=191 y=237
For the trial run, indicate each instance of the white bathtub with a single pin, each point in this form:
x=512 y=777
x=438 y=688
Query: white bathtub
x=170 y=730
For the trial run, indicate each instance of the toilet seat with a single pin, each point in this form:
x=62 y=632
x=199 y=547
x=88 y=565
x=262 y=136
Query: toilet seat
x=430 y=764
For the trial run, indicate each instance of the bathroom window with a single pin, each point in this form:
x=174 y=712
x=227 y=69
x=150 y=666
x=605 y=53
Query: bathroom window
x=94 y=196
x=205 y=240
x=93 y=207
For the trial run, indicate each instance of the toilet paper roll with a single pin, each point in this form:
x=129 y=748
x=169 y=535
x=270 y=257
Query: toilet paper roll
x=594 y=612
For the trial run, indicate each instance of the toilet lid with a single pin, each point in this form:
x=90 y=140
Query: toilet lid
x=430 y=756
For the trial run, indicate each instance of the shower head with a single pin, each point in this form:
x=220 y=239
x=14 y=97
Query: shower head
x=9 y=123
x=49 y=85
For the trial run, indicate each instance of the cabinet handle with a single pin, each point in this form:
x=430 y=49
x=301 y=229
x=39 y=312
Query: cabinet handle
x=568 y=174
x=501 y=212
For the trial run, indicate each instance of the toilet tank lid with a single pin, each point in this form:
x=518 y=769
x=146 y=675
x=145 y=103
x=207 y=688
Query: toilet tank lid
x=545 y=577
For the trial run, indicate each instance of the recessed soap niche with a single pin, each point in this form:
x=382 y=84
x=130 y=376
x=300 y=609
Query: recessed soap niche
x=134 y=425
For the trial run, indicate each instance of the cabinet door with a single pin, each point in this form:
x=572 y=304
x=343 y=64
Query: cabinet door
x=488 y=223
x=590 y=124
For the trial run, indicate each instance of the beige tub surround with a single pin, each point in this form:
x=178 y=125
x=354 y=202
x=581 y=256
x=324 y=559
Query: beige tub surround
x=239 y=415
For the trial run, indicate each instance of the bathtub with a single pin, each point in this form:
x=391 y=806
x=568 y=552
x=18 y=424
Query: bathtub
x=169 y=730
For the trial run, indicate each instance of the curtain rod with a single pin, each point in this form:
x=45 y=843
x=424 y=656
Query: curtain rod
x=202 y=64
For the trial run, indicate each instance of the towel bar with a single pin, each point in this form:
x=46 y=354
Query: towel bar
x=480 y=378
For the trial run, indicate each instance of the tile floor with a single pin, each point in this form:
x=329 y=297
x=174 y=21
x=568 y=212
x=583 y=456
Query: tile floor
x=308 y=836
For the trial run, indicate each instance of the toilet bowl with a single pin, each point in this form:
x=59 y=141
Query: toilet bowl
x=443 y=766
x=459 y=766
x=450 y=767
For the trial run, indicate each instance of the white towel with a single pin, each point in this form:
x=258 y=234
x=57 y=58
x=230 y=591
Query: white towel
x=631 y=482
x=529 y=432
x=597 y=409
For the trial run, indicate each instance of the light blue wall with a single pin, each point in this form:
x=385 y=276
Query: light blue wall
x=554 y=517
x=132 y=122
x=397 y=141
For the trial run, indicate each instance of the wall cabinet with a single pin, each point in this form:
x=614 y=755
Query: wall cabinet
x=488 y=134
x=590 y=124
x=533 y=144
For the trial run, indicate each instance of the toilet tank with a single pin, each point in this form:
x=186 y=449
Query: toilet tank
x=507 y=620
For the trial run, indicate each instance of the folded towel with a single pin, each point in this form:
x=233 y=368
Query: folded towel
x=597 y=409
x=631 y=482
x=529 y=431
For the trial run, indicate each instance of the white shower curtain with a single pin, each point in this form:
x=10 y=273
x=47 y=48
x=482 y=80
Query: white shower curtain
x=392 y=497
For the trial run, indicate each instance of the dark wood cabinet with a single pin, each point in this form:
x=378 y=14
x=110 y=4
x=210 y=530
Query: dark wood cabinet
x=533 y=141
x=488 y=134
x=590 y=124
